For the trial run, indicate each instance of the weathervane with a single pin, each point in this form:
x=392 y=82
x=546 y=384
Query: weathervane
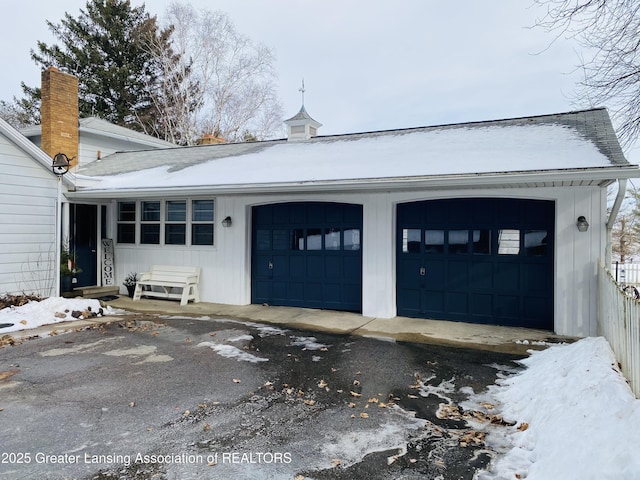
x=301 y=90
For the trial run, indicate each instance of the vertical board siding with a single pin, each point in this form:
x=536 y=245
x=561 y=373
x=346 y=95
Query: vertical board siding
x=619 y=323
x=28 y=195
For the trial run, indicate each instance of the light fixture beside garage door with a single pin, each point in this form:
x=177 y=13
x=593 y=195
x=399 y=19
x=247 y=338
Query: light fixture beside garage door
x=227 y=222
x=582 y=224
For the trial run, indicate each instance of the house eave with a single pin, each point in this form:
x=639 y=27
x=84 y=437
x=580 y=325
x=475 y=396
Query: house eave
x=600 y=177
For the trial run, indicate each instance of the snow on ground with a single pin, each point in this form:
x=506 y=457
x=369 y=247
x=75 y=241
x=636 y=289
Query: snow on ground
x=575 y=415
x=229 y=351
x=51 y=310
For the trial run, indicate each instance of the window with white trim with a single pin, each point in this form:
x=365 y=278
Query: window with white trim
x=126 y=231
x=166 y=222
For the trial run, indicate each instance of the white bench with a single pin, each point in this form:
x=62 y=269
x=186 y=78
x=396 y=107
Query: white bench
x=169 y=278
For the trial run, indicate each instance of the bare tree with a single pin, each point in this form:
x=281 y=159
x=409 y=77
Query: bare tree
x=610 y=31
x=624 y=244
x=176 y=97
x=235 y=98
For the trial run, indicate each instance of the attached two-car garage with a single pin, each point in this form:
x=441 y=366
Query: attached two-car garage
x=480 y=260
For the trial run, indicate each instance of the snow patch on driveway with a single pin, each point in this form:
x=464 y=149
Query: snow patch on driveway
x=229 y=351
x=308 y=343
x=352 y=447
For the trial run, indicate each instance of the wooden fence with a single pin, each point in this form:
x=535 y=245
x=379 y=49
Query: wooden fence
x=619 y=323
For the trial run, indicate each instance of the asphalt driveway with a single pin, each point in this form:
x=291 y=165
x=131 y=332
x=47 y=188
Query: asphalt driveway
x=149 y=397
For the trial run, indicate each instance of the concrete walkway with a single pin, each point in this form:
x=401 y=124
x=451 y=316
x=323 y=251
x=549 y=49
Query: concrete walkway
x=485 y=337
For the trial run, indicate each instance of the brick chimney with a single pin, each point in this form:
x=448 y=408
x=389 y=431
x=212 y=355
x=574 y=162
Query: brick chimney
x=59 y=114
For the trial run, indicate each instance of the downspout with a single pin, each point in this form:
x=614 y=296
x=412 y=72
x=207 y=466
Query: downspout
x=622 y=190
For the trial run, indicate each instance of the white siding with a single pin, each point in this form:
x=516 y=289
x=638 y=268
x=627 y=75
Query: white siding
x=226 y=275
x=28 y=196
x=91 y=144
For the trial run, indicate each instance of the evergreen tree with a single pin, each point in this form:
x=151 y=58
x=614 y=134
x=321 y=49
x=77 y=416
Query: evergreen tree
x=107 y=48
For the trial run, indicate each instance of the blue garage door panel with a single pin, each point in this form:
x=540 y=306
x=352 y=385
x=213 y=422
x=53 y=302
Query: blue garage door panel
x=482 y=260
x=307 y=254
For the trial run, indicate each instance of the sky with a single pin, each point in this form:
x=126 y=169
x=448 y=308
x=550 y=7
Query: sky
x=370 y=64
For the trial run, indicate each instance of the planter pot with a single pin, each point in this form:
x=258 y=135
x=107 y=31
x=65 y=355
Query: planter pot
x=66 y=283
x=130 y=290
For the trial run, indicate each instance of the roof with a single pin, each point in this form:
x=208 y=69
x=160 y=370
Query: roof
x=105 y=128
x=573 y=148
x=302 y=115
x=98 y=126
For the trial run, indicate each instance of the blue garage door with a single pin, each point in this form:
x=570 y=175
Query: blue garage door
x=307 y=254
x=480 y=260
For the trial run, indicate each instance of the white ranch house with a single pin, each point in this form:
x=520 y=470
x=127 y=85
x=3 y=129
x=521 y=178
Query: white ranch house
x=474 y=222
x=501 y=222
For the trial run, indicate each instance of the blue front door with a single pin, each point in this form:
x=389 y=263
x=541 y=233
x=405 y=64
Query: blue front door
x=307 y=254
x=481 y=260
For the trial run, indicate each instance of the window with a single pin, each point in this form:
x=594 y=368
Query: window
x=482 y=242
x=150 y=224
x=175 y=230
x=535 y=242
x=169 y=222
x=411 y=240
x=434 y=241
x=458 y=241
x=314 y=239
x=508 y=241
x=352 y=239
x=126 y=222
x=202 y=222
x=332 y=238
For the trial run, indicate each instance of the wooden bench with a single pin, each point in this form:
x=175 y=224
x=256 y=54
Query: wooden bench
x=169 y=278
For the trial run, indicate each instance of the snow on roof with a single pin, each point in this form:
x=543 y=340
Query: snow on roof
x=577 y=140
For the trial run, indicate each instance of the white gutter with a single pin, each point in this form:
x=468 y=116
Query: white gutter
x=601 y=176
x=622 y=190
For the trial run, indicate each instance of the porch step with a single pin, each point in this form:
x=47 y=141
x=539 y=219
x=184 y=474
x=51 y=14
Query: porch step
x=96 y=291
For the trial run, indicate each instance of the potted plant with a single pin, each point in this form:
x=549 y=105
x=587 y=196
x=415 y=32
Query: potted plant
x=130 y=282
x=68 y=269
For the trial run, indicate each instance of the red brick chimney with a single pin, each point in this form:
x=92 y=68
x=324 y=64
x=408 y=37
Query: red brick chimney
x=59 y=114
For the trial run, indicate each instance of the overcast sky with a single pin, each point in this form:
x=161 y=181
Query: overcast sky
x=369 y=64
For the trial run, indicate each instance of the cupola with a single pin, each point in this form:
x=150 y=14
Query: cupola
x=301 y=126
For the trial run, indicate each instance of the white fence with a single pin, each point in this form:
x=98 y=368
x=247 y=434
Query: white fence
x=619 y=323
x=628 y=273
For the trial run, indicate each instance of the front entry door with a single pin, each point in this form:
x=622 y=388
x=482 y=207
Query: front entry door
x=83 y=239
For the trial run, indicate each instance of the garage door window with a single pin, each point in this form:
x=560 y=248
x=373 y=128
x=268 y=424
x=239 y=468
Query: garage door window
x=458 y=241
x=535 y=242
x=352 y=239
x=410 y=240
x=434 y=241
x=508 y=241
x=482 y=242
x=314 y=239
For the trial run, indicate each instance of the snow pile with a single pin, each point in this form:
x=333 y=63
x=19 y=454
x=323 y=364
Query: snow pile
x=577 y=417
x=51 y=310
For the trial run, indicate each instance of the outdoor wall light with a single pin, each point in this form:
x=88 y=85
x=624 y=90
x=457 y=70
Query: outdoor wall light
x=60 y=164
x=226 y=222
x=582 y=224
